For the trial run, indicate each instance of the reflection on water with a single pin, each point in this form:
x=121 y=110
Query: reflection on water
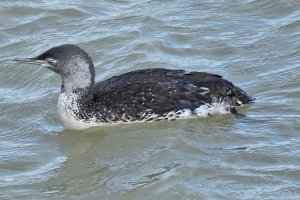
x=252 y=43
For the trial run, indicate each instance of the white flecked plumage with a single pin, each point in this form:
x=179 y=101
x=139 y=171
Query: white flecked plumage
x=137 y=96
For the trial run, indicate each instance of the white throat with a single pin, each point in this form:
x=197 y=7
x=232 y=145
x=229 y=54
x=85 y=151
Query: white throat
x=78 y=75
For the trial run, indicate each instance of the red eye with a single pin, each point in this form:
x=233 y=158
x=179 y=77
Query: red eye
x=51 y=60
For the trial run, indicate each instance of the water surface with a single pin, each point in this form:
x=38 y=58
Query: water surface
x=255 y=44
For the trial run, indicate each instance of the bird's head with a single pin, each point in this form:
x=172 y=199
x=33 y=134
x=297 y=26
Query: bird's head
x=72 y=63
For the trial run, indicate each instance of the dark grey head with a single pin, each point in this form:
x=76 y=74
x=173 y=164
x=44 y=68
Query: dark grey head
x=73 y=64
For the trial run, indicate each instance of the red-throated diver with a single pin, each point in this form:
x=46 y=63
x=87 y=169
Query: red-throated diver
x=141 y=95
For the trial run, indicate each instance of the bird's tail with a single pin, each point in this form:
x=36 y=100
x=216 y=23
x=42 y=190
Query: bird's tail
x=241 y=97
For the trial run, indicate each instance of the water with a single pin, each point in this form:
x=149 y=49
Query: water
x=255 y=44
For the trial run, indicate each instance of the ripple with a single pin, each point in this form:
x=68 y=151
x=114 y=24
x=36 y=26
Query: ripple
x=251 y=43
x=37 y=175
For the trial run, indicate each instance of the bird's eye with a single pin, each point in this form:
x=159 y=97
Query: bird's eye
x=51 y=61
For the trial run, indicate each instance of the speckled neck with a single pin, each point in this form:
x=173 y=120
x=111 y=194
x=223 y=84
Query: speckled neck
x=78 y=75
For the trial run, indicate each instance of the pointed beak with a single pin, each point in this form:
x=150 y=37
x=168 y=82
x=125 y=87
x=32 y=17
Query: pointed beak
x=29 y=61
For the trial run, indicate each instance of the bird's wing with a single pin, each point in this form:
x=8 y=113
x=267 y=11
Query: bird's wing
x=159 y=91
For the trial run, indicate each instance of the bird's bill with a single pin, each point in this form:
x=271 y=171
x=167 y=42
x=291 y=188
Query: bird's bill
x=29 y=61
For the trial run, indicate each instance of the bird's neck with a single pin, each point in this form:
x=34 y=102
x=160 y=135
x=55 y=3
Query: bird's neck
x=70 y=86
x=80 y=77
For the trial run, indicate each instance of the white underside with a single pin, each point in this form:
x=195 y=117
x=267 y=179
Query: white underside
x=67 y=105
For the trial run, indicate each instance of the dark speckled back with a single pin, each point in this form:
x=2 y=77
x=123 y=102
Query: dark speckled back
x=158 y=91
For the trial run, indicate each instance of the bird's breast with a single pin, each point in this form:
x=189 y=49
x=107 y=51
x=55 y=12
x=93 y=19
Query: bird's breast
x=68 y=109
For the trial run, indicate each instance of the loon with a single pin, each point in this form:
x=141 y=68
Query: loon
x=137 y=96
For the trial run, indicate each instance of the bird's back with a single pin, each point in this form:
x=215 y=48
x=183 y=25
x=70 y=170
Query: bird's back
x=142 y=93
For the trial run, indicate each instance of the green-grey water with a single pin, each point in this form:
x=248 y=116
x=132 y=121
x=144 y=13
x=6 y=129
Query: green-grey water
x=253 y=43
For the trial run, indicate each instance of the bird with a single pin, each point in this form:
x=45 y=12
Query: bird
x=137 y=96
